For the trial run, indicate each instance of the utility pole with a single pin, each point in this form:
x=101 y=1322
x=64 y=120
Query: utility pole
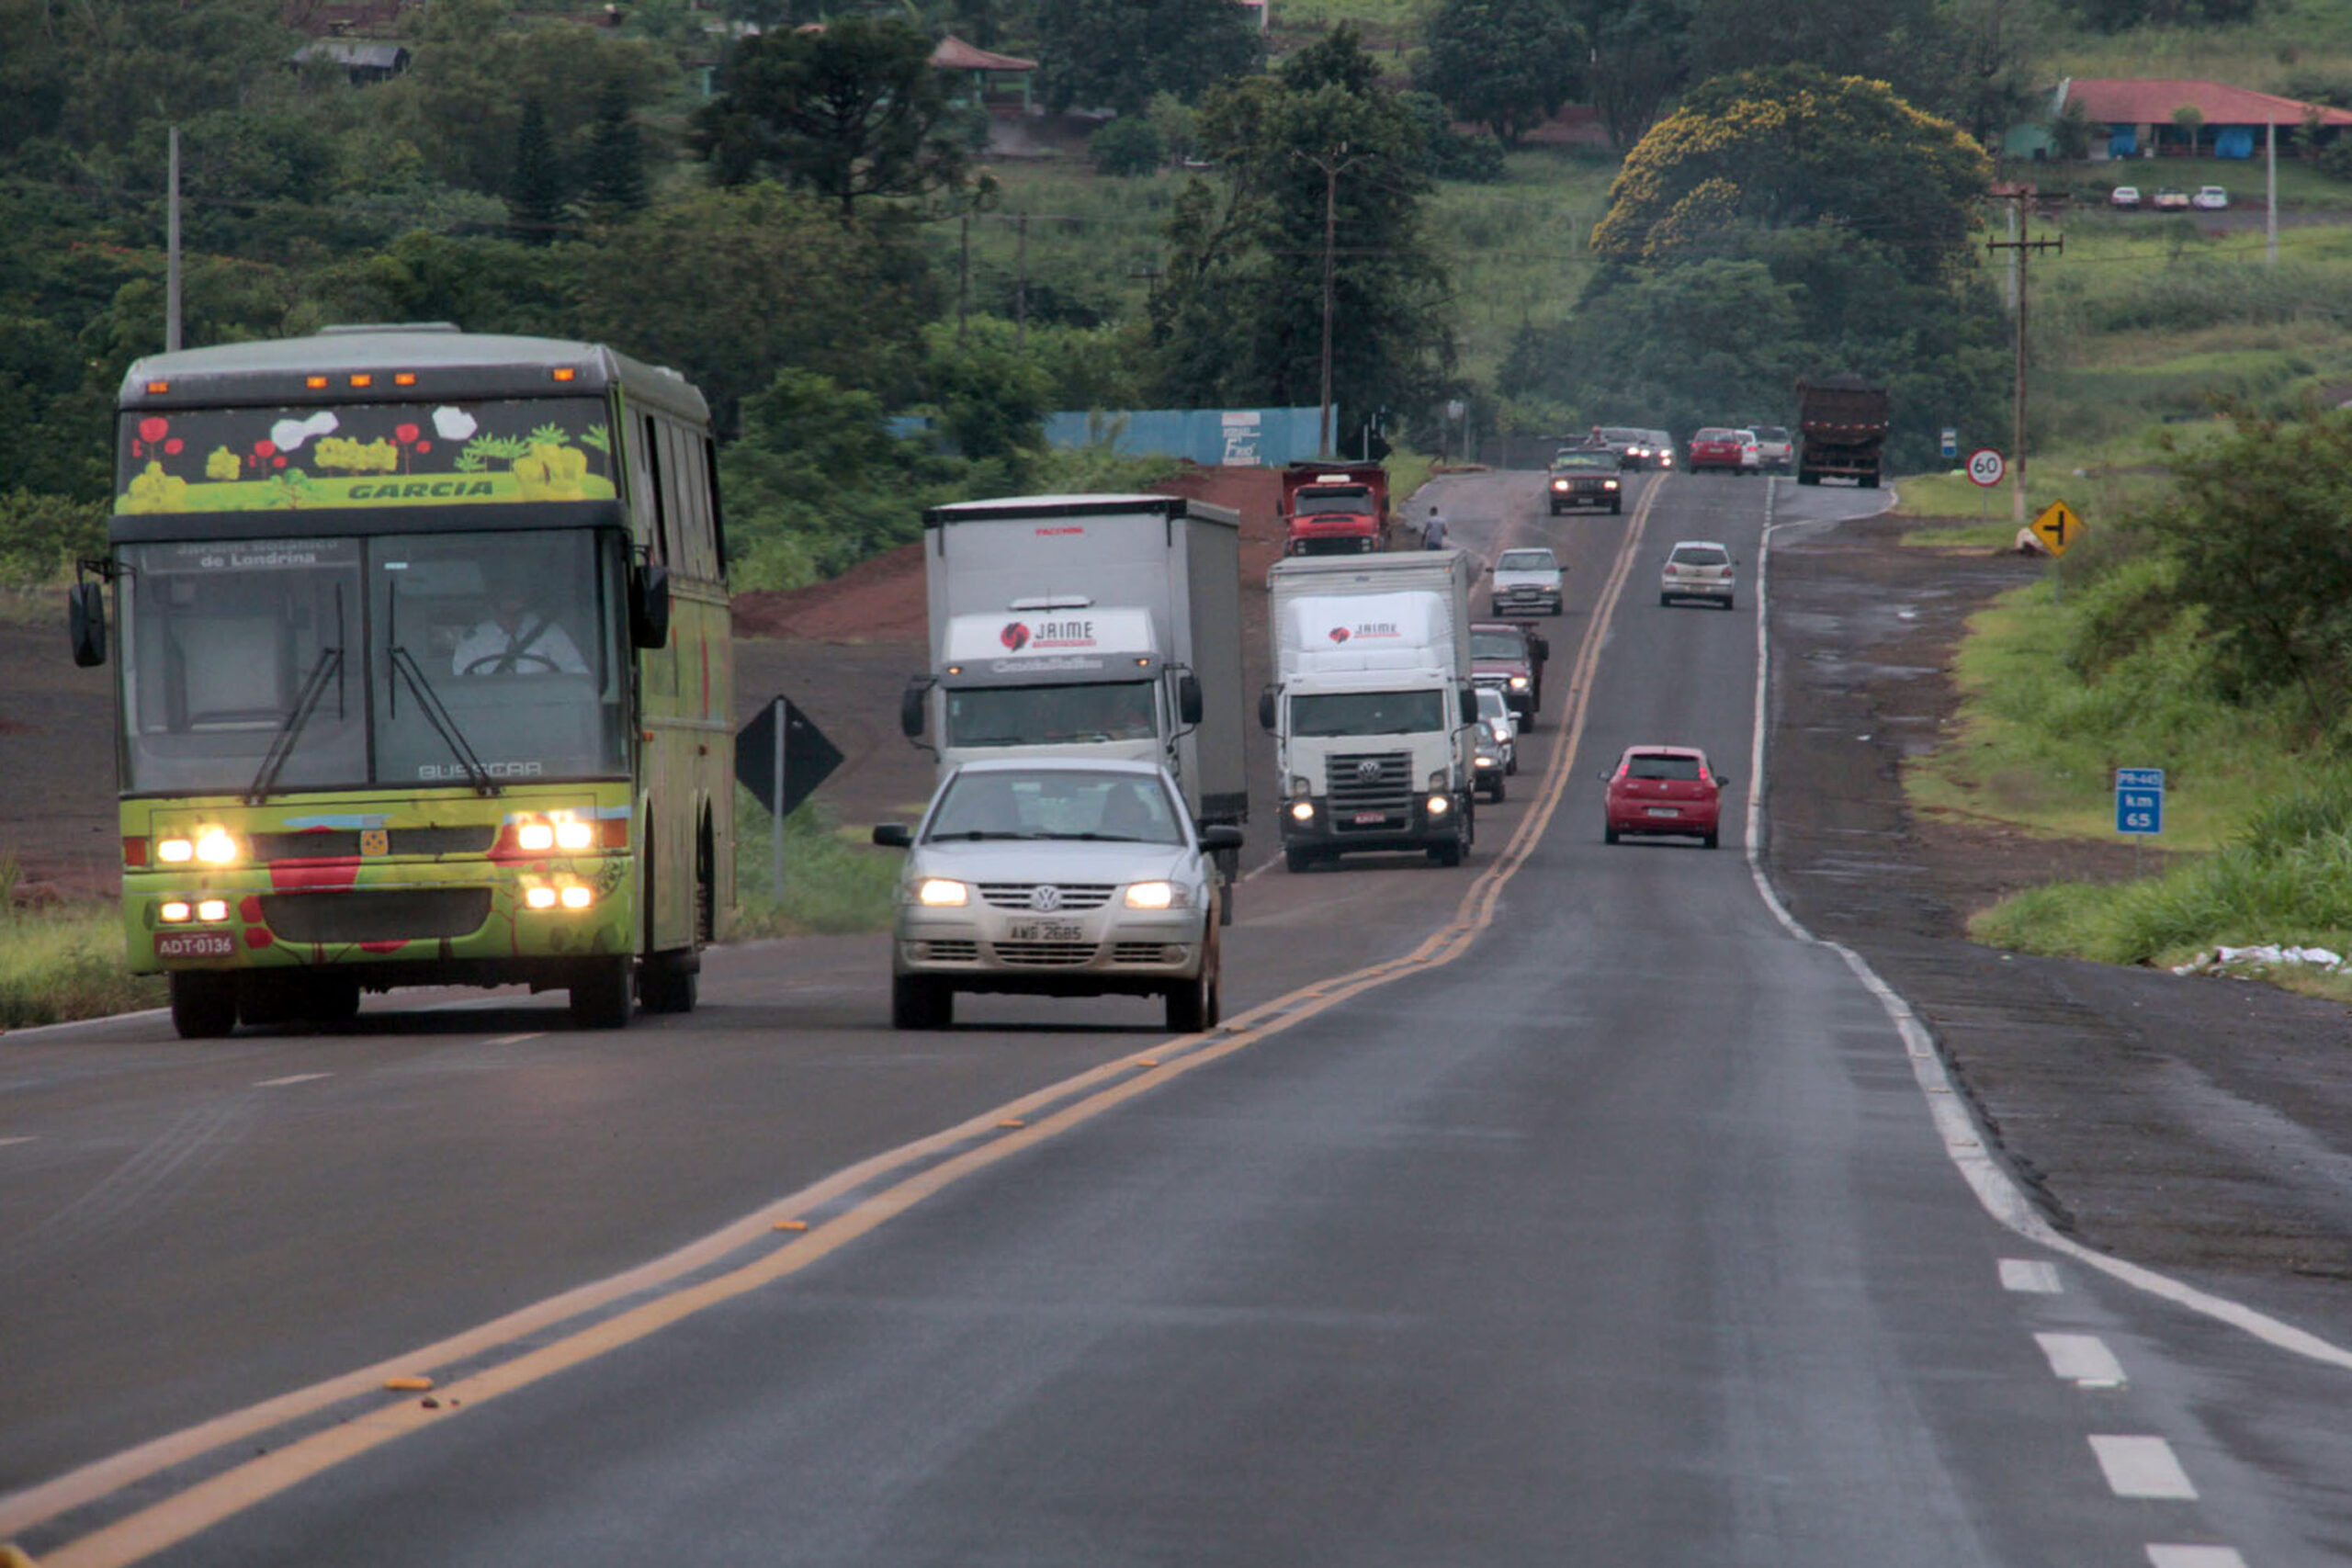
x=172 y=258
x=1333 y=165
x=963 y=275
x=2021 y=251
x=1021 y=285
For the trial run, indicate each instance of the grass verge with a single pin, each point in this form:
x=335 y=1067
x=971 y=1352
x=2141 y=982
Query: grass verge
x=60 y=964
x=834 y=881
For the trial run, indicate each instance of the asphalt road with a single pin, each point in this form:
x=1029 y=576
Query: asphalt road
x=1564 y=1209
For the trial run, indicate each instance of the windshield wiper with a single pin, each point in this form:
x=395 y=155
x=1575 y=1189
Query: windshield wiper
x=404 y=665
x=306 y=702
x=972 y=834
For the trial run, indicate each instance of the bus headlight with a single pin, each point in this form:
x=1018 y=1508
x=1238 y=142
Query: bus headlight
x=574 y=896
x=212 y=909
x=571 y=833
x=535 y=837
x=940 y=893
x=214 y=847
x=538 y=897
x=175 y=852
x=174 y=911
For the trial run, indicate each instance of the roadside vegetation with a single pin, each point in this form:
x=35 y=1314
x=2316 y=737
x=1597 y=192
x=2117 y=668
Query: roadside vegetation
x=835 y=880
x=64 y=962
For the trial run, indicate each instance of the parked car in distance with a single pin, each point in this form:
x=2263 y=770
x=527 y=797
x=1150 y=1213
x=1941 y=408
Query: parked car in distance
x=1586 y=477
x=1697 y=569
x=1526 y=581
x=2171 y=200
x=1776 y=451
x=1503 y=724
x=1720 y=449
x=1064 y=877
x=1508 y=658
x=1663 y=790
x=2124 y=198
x=2209 y=199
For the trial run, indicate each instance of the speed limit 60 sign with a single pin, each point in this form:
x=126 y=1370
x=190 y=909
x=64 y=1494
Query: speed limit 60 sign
x=1985 y=466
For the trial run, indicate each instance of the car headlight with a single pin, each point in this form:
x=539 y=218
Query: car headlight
x=1158 y=895
x=1609 y=484
x=1488 y=760
x=941 y=893
x=1559 y=484
x=1519 y=683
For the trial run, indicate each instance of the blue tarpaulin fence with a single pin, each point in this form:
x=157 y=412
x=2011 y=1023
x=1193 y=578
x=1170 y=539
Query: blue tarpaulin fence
x=1215 y=437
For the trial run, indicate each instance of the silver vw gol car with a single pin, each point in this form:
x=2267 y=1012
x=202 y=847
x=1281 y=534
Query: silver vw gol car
x=1061 y=877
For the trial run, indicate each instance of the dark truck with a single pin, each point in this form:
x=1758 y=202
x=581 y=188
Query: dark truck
x=1841 y=425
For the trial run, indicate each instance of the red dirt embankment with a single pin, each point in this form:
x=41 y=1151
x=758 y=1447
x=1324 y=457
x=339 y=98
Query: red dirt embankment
x=882 y=599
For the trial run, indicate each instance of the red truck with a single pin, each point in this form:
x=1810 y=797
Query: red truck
x=1335 y=508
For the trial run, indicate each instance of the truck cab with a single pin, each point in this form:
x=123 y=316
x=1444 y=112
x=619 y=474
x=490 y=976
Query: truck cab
x=1335 y=508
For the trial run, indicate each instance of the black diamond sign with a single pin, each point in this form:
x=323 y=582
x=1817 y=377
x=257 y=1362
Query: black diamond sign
x=808 y=758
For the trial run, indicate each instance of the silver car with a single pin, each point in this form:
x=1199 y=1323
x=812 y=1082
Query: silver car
x=1502 y=725
x=1697 y=569
x=1526 y=581
x=1063 y=877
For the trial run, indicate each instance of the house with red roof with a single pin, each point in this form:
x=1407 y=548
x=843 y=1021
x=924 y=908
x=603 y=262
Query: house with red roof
x=2143 y=116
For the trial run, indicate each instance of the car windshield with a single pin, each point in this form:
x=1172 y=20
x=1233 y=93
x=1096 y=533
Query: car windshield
x=1622 y=433
x=1715 y=435
x=1497 y=645
x=1527 y=560
x=1700 y=555
x=1597 y=461
x=263 y=665
x=1367 y=713
x=1656 y=765
x=1491 y=704
x=1051 y=715
x=1057 y=803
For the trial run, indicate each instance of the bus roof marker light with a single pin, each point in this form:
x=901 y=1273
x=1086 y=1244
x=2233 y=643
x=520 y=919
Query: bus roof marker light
x=315 y=383
x=363 y=380
x=403 y=377
x=157 y=389
x=565 y=373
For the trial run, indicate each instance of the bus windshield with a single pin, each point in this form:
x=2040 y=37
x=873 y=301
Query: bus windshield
x=1048 y=716
x=265 y=666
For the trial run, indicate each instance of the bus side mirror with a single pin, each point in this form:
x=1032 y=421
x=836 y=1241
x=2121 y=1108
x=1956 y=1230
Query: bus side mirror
x=1266 y=709
x=86 y=623
x=1188 y=698
x=649 y=606
x=910 y=716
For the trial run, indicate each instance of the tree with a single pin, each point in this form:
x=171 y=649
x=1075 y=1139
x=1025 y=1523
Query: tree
x=1240 y=317
x=1126 y=146
x=850 y=112
x=1792 y=147
x=1116 y=53
x=614 y=188
x=1640 y=57
x=1505 y=64
x=536 y=196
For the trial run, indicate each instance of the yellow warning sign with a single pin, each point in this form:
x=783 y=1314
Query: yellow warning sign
x=2057 y=527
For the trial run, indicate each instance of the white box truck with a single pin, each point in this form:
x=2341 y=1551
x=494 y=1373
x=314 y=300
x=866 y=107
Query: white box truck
x=1371 y=705
x=1092 y=625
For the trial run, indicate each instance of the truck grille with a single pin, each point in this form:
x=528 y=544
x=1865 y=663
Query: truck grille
x=1044 y=954
x=1073 y=895
x=1363 y=782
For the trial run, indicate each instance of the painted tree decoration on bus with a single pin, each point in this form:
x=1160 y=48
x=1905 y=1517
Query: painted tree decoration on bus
x=365 y=455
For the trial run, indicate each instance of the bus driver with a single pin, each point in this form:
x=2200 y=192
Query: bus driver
x=515 y=637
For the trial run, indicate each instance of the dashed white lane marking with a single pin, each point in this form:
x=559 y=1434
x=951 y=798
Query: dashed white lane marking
x=2031 y=1275
x=293 y=1078
x=2082 y=1360
x=517 y=1039
x=2142 y=1467
x=5 y=1141
x=2194 y=1557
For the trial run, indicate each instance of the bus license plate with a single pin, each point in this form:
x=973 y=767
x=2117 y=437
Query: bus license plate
x=1047 y=930
x=193 y=944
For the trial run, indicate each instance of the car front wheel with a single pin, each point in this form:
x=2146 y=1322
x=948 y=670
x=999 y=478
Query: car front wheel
x=919 y=1001
x=1195 y=1005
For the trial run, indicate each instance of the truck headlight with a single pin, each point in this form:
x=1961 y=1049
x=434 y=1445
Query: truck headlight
x=1301 y=811
x=1609 y=484
x=940 y=893
x=1158 y=895
x=1440 y=805
x=1519 y=683
x=1560 y=484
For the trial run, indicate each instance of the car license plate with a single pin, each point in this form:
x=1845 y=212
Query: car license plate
x=1047 y=930
x=193 y=944
x=1363 y=816
x=1665 y=810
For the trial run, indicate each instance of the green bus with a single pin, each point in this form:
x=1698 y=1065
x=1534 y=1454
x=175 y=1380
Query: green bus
x=422 y=647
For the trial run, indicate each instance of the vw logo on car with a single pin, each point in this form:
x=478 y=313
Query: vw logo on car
x=1044 y=898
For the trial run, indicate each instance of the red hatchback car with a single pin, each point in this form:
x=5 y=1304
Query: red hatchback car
x=1664 y=789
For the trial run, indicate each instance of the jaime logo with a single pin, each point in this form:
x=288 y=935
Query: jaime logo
x=1015 y=635
x=1339 y=634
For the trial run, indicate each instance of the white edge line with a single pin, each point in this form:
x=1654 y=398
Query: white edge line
x=1964 y=1141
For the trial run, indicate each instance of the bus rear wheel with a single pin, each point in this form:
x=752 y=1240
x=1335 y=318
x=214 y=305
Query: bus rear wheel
x=204 y=1006
x=668 y=982
x=599 y=995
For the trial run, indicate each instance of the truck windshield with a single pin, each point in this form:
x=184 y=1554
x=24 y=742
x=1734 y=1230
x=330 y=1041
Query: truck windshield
x=1353 y=497
x=316 y=648
x=1052 y=716
x=1367 y=713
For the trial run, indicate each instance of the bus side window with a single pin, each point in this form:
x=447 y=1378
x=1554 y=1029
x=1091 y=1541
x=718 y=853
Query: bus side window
x=694 y=513
x=677 y=474
x=657 y=487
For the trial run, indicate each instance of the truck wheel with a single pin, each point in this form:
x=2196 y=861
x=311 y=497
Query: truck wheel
x=1446 y=854
x=918 y=1001
x=204 y=1005
x=600 y=996
x=1807 y=477
x=1616 y=508
x=1868 y=481
x=1298 y=860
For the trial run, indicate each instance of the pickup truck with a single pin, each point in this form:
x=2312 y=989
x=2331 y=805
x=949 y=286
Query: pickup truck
x=1508 y=658
x=1586 y=477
